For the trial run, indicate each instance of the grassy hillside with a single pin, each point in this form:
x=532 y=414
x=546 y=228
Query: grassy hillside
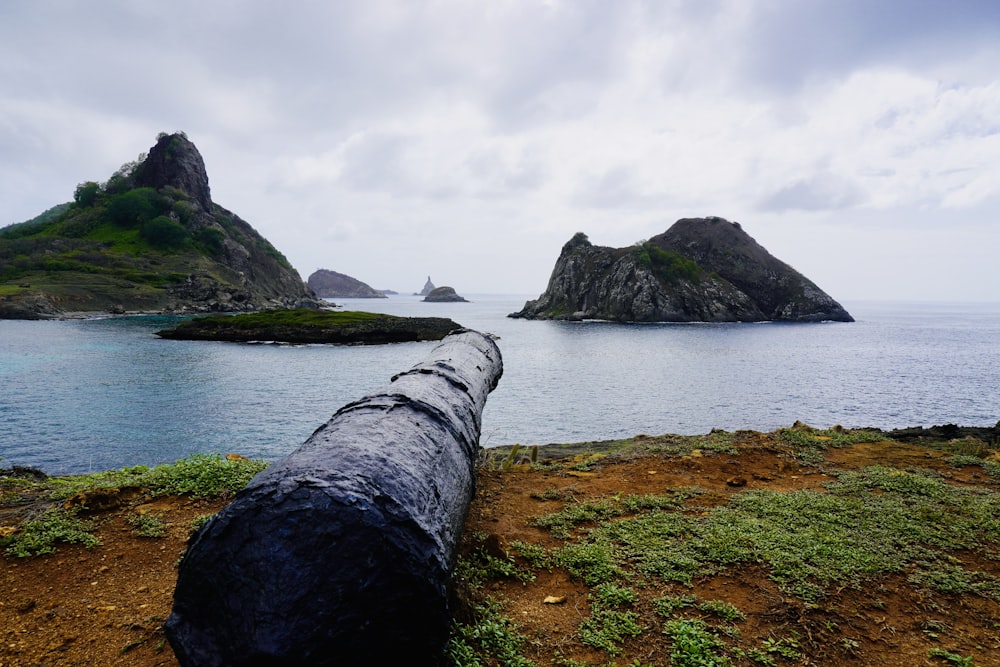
x=116 y=249
x=124 y=245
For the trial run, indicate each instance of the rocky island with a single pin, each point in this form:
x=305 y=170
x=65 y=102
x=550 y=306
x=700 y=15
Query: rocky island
x=149 y=239
x=699 y=270
x=444 y=294
x=332 y=285
x=306 y=325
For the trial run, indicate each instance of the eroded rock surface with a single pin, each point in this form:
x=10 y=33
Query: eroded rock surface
x=699 y=270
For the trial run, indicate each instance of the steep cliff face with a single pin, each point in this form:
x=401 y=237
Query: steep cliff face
x=330 y=284
x=778 y=290
x=700 y=270
x=175 y=162
x=149 y=239
x=255 y=273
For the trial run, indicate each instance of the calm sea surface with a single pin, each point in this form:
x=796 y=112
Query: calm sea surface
x=87 y=395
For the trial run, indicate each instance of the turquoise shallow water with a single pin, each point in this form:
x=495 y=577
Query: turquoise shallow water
x=95 y=394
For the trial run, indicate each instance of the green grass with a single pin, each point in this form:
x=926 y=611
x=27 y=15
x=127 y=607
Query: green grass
x=607 y=629
x=203 y=475
x=809 y=443
x=668 y=266
x=120 y=246
x=611 y=622
x=950 y=658
x=694 y=644
x=40 y=535
x=870 y=523
x=148 y=525
x=489 y=639
x=313 y=326
x=479 y=567
x=200 y=475
x=562 y=523
x=301 y=317
x=867 y=527
x=991 y=468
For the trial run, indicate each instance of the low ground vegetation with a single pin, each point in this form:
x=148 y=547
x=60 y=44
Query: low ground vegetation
x=802 y=546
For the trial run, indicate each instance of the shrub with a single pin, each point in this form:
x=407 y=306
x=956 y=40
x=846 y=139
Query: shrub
x=131 y=209
x=164 y=233
x=668 y=266
x=211 y=238
x=86 y=193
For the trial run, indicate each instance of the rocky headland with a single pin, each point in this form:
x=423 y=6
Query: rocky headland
x=699 y=270
x=332 y=285
x=149 y=239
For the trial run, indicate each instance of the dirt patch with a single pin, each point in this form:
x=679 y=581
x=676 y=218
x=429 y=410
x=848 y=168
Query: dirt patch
x=100 y=606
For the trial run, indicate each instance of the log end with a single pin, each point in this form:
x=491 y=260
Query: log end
x=262 y=600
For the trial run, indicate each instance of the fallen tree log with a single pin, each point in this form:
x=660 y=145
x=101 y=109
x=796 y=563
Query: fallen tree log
x=341 y=553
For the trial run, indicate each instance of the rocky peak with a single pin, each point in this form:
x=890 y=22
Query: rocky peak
x=197 y=256
x=174 y=161
x=579 y=240
x=723 y=247
x=699 y=270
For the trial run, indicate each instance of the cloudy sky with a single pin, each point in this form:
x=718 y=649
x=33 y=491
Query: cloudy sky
x=857 y=140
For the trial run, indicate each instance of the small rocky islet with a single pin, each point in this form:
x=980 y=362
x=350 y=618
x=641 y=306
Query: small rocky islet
x=305 y=325
x=444 y=295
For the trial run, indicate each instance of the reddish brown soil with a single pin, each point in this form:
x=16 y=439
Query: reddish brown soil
x=889 y=624
x=105 y=606
x=101 y=606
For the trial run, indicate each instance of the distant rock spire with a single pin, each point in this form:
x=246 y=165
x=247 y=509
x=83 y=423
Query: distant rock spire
x=428 y=287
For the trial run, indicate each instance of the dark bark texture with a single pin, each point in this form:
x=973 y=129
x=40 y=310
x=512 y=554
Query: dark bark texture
x=341 y=553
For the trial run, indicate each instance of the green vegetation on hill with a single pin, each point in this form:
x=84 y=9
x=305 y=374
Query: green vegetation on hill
x=125 y=244
x=135 y=236
x=668 y=266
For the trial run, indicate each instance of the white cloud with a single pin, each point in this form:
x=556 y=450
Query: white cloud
x=385 y=139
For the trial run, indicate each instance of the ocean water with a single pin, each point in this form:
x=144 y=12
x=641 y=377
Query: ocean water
x=87 y=395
